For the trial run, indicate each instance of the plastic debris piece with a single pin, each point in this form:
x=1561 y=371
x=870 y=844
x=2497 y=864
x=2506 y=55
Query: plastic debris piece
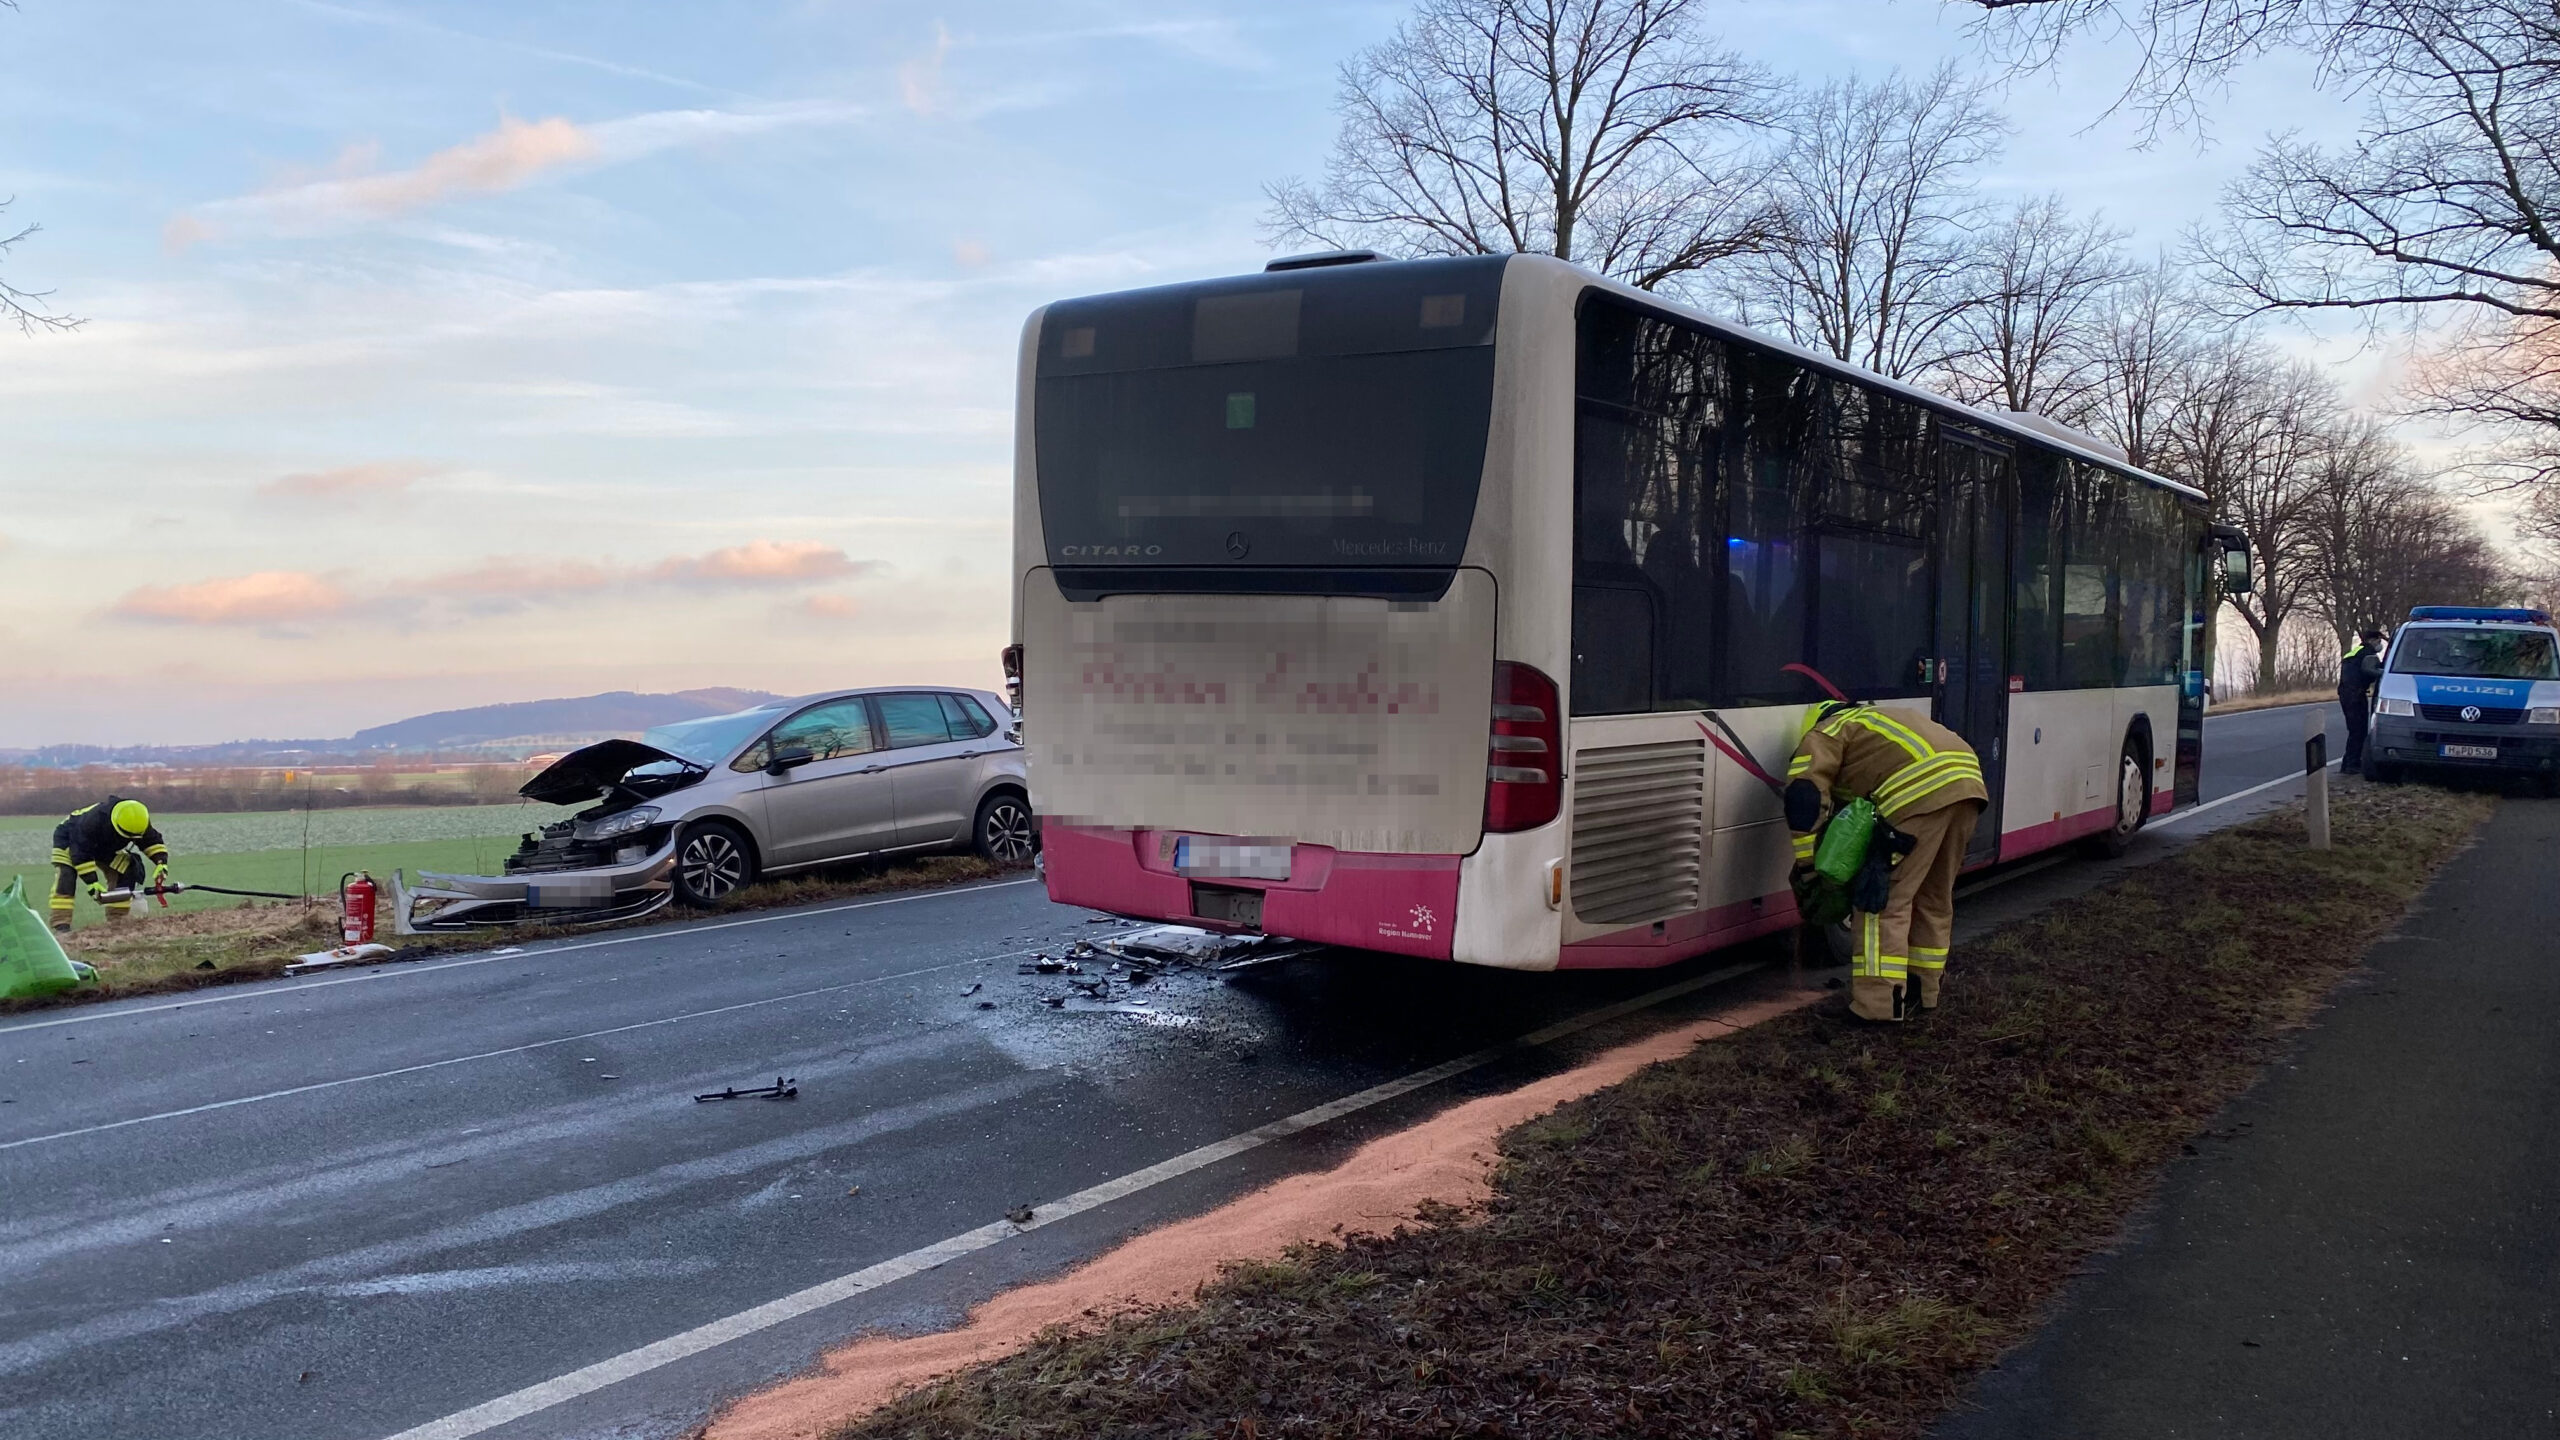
x=854 y=1190
x=780 y=1089
x=1054 y=1002
x=204 y=964
x=1020 y=1214
x=975 y=987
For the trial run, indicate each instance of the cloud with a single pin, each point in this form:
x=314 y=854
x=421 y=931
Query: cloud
x=920 y=79
x=762 y=562
x=350 y=188
x=503 y=159
x=829 y=607
x=372 y=480
x=265 y=598
x=513 y=578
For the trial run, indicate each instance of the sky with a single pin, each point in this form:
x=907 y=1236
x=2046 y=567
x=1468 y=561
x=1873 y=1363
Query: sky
x=446 y=354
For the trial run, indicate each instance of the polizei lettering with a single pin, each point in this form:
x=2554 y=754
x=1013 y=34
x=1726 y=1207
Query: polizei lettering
x=1109 y=552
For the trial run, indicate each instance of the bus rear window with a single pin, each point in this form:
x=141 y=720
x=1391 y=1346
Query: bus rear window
x=1318 y=420
x=2477 y=654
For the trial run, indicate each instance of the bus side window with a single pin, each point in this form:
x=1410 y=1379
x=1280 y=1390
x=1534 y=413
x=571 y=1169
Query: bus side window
x=2036 y=570
x=1777 y=422
x=1645 y=523
x=2091 y=597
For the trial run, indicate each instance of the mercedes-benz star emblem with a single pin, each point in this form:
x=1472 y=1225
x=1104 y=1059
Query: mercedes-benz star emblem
x=2471 y=713
x=1237 y=546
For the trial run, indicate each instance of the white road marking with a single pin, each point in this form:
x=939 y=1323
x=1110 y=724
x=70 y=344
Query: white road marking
x=510 y=1050
x=2234 y=795
x=270 y=992
x=533 y=1399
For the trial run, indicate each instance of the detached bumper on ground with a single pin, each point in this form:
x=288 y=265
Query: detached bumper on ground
x=555 y=897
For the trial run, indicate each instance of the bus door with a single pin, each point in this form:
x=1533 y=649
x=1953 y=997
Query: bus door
x=1976 y=482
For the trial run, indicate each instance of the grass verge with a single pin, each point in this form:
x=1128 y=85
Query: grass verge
x=1812 y=1228
x=155 y=952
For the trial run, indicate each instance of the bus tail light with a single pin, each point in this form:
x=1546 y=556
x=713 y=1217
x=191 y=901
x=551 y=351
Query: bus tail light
x=1524 y=766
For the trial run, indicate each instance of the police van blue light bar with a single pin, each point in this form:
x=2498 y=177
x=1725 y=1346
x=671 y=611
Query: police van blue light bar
x=2480 y=612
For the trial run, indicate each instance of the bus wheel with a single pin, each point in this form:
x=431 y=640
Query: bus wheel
x=2133 y=805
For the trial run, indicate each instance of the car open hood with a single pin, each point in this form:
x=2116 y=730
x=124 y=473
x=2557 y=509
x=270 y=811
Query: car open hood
x=597 y=771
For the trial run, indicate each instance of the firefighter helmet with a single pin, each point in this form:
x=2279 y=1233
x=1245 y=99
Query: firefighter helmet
x=131 y=818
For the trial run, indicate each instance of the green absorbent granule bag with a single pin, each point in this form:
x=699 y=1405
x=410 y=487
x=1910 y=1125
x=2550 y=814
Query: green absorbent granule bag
x=31 y=960
x=1843 y=847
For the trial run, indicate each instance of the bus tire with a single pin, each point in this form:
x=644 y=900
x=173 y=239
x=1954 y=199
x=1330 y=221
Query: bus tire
x=2132 y=807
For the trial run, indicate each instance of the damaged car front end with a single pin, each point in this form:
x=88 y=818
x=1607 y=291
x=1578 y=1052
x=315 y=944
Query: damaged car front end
x=611 y=861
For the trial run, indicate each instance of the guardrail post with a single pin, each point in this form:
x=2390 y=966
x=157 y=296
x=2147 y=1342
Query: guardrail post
x=2315 y=774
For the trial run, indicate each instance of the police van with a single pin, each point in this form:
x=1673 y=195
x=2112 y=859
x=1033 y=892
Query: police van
x=2469 y=687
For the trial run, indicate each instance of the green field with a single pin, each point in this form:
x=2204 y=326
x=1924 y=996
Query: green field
x=265 y=850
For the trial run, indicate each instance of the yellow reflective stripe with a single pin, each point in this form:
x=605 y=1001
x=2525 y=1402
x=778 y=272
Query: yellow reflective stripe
x=61 y=856
x=1870 y=938
x=1893 y=967
x=61 y=902
x=1940 y=951
x=1879 y=723
x=1799 y=765
x=156 y=853
x=1924 y=962
x=1804 y=847
x=1927 y=777
x=88 y=868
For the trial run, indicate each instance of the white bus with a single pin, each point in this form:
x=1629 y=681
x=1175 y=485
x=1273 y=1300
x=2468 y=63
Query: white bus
x=1436 y=606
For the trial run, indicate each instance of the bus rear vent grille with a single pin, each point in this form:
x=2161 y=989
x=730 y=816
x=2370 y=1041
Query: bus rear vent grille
x=1639 y=829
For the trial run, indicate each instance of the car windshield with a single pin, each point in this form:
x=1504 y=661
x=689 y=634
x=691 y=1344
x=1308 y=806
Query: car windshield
x=2477 y=654
x=710 y=740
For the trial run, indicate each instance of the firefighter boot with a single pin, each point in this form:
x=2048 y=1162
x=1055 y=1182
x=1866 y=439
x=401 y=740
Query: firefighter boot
x=1872 y=997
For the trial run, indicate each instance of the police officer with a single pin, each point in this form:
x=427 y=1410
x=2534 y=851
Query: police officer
x=95 y=844
x=1925 y=782
x=2359 y=670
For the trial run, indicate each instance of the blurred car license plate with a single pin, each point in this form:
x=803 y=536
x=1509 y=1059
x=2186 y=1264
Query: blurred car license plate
x=1232 y=859
x=2468 y=752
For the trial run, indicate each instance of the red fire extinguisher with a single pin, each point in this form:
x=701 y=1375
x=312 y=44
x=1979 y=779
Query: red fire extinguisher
x=355 y=907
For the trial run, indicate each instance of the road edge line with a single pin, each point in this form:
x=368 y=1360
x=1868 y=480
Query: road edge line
x=586 y=1380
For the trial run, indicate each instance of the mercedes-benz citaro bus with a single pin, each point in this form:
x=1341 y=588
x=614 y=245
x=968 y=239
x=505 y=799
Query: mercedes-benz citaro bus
x=1436 y=606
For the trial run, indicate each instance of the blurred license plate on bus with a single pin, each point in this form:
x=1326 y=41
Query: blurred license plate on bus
x=1232 y=859
x=2467 y=752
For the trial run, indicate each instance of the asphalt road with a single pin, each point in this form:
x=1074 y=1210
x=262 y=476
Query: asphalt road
x=2361 y=1247
x=373 y=1204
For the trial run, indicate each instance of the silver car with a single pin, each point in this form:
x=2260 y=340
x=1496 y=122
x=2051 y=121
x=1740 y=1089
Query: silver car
x=699 y=808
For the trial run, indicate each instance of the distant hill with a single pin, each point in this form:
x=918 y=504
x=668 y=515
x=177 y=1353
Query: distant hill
x=491 y=732
x=553 y=722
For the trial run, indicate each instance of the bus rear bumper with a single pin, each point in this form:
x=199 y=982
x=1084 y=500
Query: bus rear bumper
x=1402 y=904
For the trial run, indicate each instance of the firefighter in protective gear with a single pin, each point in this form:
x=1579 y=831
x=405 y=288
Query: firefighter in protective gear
x=95 y=845
x=1925 y=782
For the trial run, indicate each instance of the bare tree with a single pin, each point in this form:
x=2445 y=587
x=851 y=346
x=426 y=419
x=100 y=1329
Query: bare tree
x=2181 y=47
x=2246 y=431
x=2033 y=336
x=1598 y=131
x=2379 y=539
x=1876 y=218
x=2503 y=376
x=2449 y=200
x=27 y=308
x=2146 y=352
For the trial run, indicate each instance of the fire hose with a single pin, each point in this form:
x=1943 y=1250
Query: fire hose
x=174 y=887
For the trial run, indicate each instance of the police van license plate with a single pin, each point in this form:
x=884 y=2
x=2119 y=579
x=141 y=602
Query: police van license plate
x=2467 y=752
x=1232 y=859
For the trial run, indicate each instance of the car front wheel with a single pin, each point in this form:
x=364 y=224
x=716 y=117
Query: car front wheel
x=712 y=862
x=1006 y=833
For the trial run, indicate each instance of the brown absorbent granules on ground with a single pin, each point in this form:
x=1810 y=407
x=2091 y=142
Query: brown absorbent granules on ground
x=1445 y=1160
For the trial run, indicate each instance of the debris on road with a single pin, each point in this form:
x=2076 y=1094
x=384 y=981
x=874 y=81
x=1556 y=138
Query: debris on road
x=343 y=955
x=974 y=987
x=1054 y=1002
x=986 y=1004
x=780 y=1089
x=1020 y=1214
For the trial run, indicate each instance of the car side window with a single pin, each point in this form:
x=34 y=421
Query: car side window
x=913 y=720
x=827 y=731
x=968 y=718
